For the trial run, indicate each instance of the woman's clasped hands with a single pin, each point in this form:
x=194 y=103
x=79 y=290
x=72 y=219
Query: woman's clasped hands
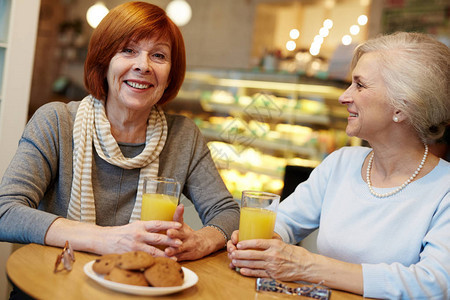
x=159 y=238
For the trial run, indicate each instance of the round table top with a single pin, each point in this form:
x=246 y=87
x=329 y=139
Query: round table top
x=30 y=268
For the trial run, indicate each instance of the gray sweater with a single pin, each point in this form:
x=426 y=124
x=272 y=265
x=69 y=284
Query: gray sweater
x=36 y=187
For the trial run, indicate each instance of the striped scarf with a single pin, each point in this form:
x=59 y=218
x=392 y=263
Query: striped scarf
x=92 y=127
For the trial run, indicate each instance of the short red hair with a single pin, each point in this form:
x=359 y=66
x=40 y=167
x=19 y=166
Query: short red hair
x=132 y=21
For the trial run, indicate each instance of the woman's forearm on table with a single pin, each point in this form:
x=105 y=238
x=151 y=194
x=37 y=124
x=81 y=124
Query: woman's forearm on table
x=82 y=236
x=335 y=274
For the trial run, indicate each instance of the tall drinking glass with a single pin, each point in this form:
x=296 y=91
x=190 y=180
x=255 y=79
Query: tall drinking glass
x=159 y=198
x=258 y=214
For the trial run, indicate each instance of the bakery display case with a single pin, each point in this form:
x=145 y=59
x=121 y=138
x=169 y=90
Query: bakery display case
x=258 y=123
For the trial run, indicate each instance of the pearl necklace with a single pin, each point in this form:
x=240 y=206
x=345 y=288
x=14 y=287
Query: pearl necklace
x=369 y=184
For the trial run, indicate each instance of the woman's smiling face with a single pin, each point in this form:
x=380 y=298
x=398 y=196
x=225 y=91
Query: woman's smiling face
x=138 y=75
x=366 y=100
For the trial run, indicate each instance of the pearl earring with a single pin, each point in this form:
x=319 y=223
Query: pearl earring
x=395 y=118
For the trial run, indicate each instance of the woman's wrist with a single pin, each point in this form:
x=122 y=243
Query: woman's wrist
x=217 y=236
x=82 y=236
x=334 y=273
x=312 y=264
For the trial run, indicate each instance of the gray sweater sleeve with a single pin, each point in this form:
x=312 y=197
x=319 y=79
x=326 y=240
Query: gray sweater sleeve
x=35 y=174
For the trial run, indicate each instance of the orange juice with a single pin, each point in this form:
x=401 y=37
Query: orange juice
x=158 y=207
x=256 y=223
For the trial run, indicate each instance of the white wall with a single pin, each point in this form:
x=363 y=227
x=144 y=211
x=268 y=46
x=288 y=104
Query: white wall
x=15 y=98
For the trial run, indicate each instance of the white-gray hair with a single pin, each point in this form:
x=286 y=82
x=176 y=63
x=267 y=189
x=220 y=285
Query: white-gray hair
x=415 y=69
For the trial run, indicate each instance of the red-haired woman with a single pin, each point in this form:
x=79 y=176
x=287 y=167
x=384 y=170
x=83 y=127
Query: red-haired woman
x=77 y=174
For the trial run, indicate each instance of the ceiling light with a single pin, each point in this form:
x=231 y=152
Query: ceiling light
x=328 y=23
x=346 y=40
x=294 y=34
x=354 y=29
x=291 y=45
x=318 y=39
x=179 y=11
x=362 y=20
x=96 y=13
x=323 y=32
x=314 y=49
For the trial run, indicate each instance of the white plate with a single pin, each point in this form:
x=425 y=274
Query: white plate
x=190 y=279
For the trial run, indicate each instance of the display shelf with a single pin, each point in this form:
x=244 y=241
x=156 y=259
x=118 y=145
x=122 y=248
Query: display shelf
x=275 y=173
x=257 y=164
x=250 y=169
x=277 y=115
x=281 y=82
x=274 y=145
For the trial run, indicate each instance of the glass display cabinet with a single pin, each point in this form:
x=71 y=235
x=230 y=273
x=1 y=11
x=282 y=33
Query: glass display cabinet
x=256 y=124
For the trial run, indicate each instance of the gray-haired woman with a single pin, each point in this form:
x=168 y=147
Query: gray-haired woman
x=383 y=213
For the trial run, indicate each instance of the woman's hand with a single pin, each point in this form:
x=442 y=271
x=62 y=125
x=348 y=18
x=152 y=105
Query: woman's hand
x=142 y=235
x=195 y=244
x=275 y=259
x=139 y=235
x=231 y=245
x=269 y=258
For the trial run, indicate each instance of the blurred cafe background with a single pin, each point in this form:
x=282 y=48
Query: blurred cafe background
x=262 y=83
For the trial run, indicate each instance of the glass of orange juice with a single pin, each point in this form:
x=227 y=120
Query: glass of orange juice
x=159 y=198
x=258 y=214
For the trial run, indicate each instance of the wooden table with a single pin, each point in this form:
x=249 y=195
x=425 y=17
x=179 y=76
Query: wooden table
x=30 y=268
